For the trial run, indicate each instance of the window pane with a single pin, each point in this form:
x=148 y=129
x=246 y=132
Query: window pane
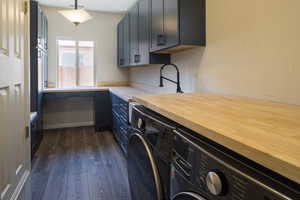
x=86 y=63
x=67 y=63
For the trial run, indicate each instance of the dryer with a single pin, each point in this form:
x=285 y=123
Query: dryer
x=203 y=170
x=149 y=155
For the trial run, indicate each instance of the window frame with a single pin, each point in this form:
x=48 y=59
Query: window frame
x=77 y=61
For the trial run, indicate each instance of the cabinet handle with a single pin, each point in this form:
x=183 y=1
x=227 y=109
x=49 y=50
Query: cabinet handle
x=121 y=61
x=161 y=39
x=137 y=58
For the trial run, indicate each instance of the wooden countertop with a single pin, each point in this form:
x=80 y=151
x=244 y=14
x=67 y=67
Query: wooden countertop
x=125 y=93
x=82 y=89
x=267 y=133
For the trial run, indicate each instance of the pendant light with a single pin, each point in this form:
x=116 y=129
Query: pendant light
x=76 y=16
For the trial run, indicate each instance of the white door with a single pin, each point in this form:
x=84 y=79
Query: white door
x=13 y=140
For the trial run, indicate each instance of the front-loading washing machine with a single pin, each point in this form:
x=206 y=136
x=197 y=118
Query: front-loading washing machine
x=149 y=155
x=204 y=170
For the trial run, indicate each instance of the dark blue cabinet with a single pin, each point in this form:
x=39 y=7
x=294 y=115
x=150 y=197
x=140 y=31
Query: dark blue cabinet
x=123 y=42
x=120 y=116
x=121 y=58
x=36 y=137
x=134 y=35
x=103 y=111
x=134 y=38
x=177 y=25
x=38 y=69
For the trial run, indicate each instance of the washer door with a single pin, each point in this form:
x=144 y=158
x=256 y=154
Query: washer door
x=187 y=196
x=143 y=174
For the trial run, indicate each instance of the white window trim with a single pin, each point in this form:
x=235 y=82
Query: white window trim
x=57 y=61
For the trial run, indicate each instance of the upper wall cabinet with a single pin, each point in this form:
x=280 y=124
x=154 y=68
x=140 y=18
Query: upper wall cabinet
x=124 y=42
x=38 y=53
x=121 y=40
x=134 y=35
x=134 y=38
x=177 y=25
x=42 y=27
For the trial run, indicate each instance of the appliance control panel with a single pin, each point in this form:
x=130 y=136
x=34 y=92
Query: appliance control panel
x=220 y=176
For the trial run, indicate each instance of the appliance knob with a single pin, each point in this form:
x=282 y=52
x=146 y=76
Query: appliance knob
x=214 y=183
x=140 y=123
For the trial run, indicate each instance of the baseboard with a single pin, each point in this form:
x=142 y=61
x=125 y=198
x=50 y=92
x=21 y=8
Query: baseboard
x=68 y=125
x=20 y=186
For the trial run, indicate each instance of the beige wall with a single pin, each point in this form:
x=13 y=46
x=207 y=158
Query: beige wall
x=252 y=50
x=102 y=29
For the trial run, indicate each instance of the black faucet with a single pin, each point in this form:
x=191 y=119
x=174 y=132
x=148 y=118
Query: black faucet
x=176 y=82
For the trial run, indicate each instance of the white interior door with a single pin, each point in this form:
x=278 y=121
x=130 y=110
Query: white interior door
x=13 y=155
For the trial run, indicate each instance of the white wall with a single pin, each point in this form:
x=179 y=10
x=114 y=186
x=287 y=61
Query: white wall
x=102 y=29
x=252 y=50
x=71 y=112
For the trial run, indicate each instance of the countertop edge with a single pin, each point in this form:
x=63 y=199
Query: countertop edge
x=74 y=90
x=284 y=168
x=126 y=97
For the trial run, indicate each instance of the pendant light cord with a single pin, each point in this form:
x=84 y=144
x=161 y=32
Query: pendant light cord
x=76 y=4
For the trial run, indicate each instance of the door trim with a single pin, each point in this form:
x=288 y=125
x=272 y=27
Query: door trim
x=20 y=185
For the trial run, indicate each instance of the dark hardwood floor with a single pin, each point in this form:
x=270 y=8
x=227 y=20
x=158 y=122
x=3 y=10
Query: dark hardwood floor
x=79 y=164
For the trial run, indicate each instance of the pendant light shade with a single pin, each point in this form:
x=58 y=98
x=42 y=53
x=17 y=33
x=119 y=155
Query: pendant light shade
x=76 y=16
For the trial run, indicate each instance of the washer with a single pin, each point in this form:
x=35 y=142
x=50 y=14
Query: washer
x=149 y=155
x=203 y=170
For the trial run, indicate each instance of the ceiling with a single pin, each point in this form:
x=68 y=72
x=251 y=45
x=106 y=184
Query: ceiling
x=97 y=5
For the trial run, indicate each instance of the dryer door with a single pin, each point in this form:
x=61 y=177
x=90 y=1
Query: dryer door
x=143 y=174
x=187 y=196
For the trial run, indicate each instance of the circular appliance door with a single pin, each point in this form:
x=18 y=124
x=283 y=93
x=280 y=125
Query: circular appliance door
x=143 y=174
x=188 y=196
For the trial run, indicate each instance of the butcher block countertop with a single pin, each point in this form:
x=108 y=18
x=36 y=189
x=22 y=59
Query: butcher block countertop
x=125 y=93
x=79 y=89
x=267 y=133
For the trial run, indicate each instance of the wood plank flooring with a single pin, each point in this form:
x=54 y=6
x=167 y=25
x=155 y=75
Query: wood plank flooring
x=79 y=164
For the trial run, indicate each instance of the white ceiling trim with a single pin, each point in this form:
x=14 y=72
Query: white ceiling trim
x=95 y=5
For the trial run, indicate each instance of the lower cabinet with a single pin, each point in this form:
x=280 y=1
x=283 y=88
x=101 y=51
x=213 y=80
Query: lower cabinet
x=120 y=120
x=36 y=135
x=102 y=107
x=36 y=126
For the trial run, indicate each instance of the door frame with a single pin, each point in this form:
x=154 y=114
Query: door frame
x=22 y=192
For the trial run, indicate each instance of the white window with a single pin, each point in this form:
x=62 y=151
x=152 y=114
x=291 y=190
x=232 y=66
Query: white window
x=75 y=63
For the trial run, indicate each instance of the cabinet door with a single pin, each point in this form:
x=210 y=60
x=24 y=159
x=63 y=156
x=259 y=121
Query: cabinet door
x=43 y=31
x=45 y=70
x=121 y=43
x=39 y=135
x=33 y=135
x=144 y=31
x=171 y=15
x=40 y=25
x=46 y=33
x=126 y=41
x=157 y=24
x=40 y=73
x=103 y=111
x=134 y=36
